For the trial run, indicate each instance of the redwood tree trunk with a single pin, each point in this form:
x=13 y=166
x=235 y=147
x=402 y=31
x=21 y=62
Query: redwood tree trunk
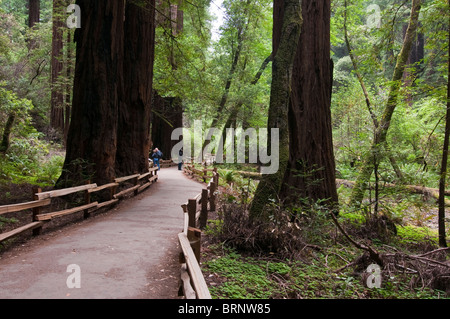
x=4 y=144
x=92 y=136
x=310 y=173
x=286 y=34
x=133 y=139
x=57 y=97
x=443 y=177
x=33 y=12
x=167 y=116
x=68 y=89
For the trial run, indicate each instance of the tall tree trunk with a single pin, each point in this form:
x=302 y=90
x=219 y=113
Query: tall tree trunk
x=33 y=12
x=385 y=121
x=57 y=97
x=310 y=173
x=286 y=37
x=176 y=25
x=4 y=145
x=92 y=137
x=133 y=139
x=68 y=88
x=443 y=176
x=167 y=114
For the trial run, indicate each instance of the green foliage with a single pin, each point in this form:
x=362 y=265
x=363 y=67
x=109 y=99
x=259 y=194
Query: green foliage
x=25 y=94
x=191 y=65
x=25 y=160
x=410 y=234
x=25 y=64
x=247 y=278
x=417 y=128
x=244 y=277
x=30 y=160
x=6 y=221
x=180 y=59
x=11 y=103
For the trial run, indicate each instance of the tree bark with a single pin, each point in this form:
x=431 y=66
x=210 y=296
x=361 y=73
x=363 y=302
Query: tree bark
x=284 y=53
x=167 y=114
x=384 y=123
x=310 y=174
x=92 y=136
x=68 y=88
x=133 y=138
x=57 y=97
x=443 y=176
x=33 y=12
x=7 y=133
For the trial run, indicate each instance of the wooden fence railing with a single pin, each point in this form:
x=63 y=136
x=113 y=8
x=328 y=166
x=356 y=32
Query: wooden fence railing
x=195 y=210
x=42 y=199
x=191 y=170
x=167 y=163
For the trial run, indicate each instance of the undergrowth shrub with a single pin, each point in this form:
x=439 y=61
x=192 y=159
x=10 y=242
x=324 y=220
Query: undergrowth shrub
x=285 y=233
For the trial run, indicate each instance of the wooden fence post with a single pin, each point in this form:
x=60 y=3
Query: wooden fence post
x=87 y=200
x=192 y=211
x=36 y=210
x=136 y=181
x=204 y=212
x=212 y=197
x=112 y=191
x=195 y=236
x=216 y=177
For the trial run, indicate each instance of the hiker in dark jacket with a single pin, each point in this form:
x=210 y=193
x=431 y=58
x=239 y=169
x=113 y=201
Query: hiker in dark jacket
x=180 y=159
x=156 y=156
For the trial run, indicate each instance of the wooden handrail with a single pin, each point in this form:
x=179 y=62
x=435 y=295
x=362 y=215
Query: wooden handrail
x=41 y=199
x=14 y=232
x=65 y=191
x=201 y=173
x=99 y=188
x=126 y=178
x=22 y=206
x=49 y=216
x=190 y=240
x=197 y=279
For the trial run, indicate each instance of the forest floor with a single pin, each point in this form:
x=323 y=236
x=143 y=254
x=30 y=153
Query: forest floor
x=314 y=260
x=323 y=266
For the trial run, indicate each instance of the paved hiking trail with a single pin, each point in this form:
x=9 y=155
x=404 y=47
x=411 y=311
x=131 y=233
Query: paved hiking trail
x=129 y=252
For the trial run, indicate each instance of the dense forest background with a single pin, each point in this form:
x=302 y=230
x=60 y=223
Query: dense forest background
x=388 y=155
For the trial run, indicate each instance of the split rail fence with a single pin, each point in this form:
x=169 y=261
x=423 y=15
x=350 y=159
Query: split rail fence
x=195 y=210
x=41 y=199
x=191 y=170
x=167 y=163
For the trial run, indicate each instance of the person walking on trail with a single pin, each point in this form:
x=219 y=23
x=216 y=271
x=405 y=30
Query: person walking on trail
x=156 y=156
x=180 y=159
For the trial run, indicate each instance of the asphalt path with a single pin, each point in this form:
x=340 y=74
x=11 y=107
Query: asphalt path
x=129 y=252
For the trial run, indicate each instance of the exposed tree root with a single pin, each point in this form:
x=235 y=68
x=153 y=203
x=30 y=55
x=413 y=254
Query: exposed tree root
x=428 y=270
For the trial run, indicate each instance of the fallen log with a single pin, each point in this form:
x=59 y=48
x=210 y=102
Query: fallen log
x=428 y=191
